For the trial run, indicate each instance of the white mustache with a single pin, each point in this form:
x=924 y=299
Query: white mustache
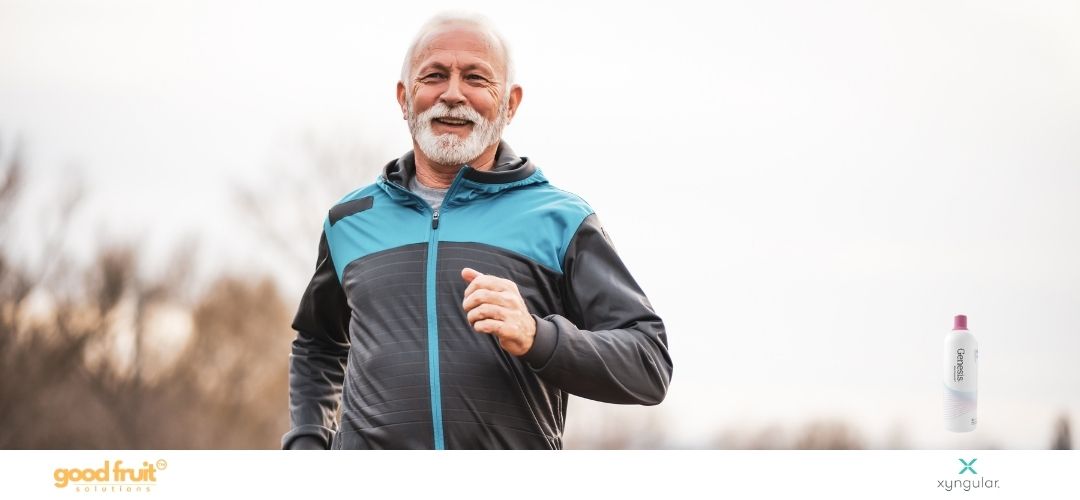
x=441 y=110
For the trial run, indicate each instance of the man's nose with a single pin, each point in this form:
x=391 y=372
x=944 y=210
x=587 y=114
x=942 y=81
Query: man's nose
x=453 y=96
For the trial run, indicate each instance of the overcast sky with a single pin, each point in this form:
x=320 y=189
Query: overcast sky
x=808 y=191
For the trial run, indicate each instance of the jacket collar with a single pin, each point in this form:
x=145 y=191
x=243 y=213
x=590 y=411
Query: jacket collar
x=509 y=171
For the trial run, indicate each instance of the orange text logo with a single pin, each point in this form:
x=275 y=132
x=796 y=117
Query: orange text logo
x=115 y=476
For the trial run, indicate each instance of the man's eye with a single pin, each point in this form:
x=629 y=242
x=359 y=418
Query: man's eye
x=432 y=76
x=477 y=78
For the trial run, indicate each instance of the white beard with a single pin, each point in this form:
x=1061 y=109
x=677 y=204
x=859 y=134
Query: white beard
x=448 y=148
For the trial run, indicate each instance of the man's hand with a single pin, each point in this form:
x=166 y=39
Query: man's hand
x=494 y=306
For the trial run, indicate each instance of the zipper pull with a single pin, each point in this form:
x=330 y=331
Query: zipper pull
x=435 y=219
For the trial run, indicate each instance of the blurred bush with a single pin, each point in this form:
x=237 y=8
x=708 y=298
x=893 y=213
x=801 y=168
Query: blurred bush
x=104 y=358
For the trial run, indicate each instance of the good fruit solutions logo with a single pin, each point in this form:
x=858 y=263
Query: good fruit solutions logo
x=112 y=477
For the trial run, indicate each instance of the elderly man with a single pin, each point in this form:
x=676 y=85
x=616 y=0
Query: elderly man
x=459 y=300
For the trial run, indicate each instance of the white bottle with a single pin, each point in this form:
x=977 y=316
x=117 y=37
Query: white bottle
x=961 y=377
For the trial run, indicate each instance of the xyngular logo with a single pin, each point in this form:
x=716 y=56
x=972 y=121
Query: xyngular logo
x=112 y=477
x=967 y=484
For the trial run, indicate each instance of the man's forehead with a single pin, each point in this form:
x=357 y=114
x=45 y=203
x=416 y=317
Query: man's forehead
x=457 y=42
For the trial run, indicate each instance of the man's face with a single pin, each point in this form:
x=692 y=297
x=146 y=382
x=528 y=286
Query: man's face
x=457 y=103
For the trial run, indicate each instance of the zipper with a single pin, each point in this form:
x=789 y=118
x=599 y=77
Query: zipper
x=431 y=293
x=433 y=331
x=432 y=311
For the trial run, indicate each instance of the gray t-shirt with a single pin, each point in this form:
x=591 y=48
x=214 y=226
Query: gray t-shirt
x=433 y=196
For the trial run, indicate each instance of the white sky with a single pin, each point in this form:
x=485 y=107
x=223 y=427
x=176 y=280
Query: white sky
x=808 y=191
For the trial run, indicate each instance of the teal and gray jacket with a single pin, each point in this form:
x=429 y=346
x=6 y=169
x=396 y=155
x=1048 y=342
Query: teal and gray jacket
x=381 y=325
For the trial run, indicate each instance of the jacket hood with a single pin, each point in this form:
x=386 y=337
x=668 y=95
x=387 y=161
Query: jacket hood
x=509 y=171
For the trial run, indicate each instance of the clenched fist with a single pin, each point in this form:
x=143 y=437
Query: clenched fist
x=494 y=306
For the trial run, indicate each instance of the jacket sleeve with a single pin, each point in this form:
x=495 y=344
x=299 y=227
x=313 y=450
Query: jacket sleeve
x=319 y=355
x=612 y=347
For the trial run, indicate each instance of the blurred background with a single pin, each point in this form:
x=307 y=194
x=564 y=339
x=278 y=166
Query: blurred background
x=808 y=192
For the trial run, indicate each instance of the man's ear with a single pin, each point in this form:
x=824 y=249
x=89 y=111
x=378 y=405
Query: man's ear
x=515 y=100
x=401 y=99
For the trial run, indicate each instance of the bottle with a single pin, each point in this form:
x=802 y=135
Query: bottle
x=961 y=377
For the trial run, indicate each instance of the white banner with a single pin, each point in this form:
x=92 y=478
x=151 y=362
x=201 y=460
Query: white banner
x=541 y=475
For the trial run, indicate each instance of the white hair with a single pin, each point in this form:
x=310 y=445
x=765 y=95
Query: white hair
x=462 y=19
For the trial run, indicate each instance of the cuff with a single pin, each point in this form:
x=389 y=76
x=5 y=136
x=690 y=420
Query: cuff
x=544 y=343
x=322 y=434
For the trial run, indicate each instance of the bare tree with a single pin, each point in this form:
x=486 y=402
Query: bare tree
x=76 y=371
x=288 y=204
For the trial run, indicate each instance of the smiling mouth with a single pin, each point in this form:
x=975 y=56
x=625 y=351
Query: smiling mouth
x=453 y=122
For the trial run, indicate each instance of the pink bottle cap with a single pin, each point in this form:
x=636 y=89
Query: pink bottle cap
x=960 y=322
